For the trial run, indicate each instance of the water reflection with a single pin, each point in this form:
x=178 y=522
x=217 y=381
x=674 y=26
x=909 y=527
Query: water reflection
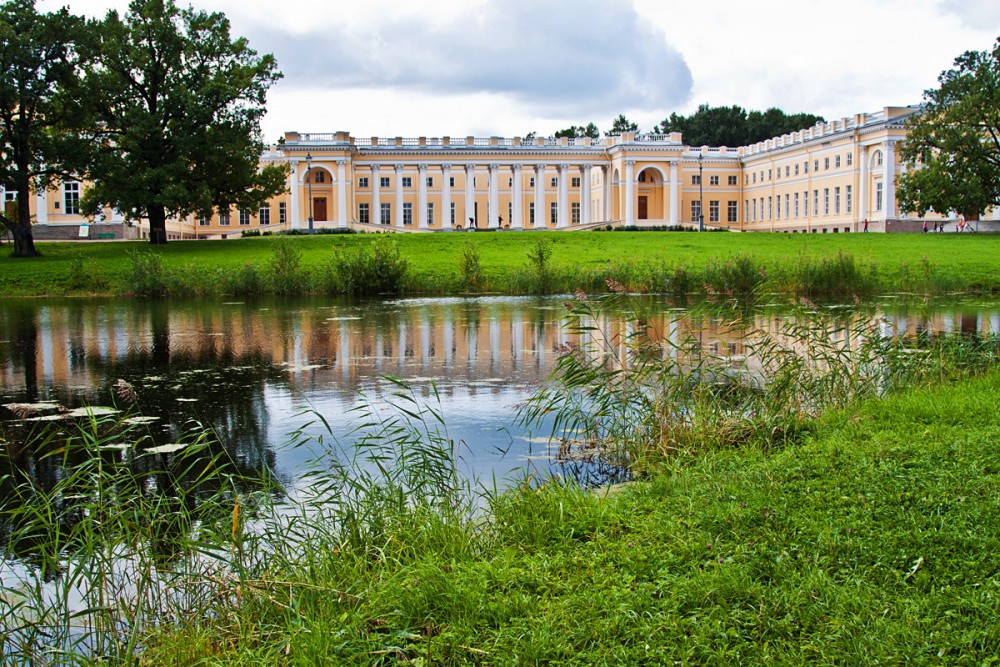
x=249 y=369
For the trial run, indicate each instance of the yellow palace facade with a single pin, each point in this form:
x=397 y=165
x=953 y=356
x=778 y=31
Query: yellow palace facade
x=837 y=176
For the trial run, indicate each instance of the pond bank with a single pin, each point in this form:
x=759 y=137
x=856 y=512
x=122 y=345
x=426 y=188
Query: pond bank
x=875 y=539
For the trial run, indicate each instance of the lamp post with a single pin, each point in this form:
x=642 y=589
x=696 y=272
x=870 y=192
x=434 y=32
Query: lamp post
x=701 y=196
x=309 y=185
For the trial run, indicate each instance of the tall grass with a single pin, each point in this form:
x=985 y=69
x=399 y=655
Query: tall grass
x=377 y=268
x=655 y=389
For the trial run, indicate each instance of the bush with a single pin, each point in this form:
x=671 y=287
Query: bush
x=286 y=269
x=146 y=274
x=539 y=260
x=378 y=268
x=469 y=268
x=740 y=277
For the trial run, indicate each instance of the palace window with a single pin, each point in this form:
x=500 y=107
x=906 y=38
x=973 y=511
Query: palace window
x=429 y=181
x=850 y=159
x=204 y=220
x=244 y=217
x=778 y=206
x=383 y=181
x=363 y=182
x=805 y=167
x=713 y=180
x=713 y=210
x=770 y=208
x=878 y=158
x=264 y=215
x=696 y=210
x=407 y=213
x=575 y=213
x=847 y=193
x=755 y=177
x=453 y=213
x=224 y=218
x=826 y=201
x=71 y=198
x=575 y=181
x=732 y=180
x=531 y=213
x=732 y=210
x=796 y=204
x=787 y=171
x=451 y=181
x=878 y=196
x=319 y=176
x=826 y=164
x=836 y=201
x=531 y=182
x=555 y=181
x=788 y=208
x=796 y=168
x=430 y=212
x=364 y=213
x=746 y=211
x=554 y=213
x=696 y=180
x=815 y=202
x=815 y=165
x=805 y=203
x=282 y=212
x=385 y=214
x=407 y=181
x=836 y=162
x=768 y=174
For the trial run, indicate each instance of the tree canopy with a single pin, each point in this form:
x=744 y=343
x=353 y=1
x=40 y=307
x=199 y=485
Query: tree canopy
x=178 y=104
x=952 y=148
x=38 y=115
x=733 y=125
x=621 y=125
x=579 y=131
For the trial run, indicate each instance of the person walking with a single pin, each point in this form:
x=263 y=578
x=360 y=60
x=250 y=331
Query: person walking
x=925 y=226
x=866 y=224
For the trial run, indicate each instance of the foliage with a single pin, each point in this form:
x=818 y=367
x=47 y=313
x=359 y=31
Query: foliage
x=286 y=268
x=178 y=103
x=621 y=125
x=470 y=268
x=733 y=126
x=574 y=131
x=374 y=268
x=38 y=107
x=147 y=276
x=953 y=145
x=540 y=261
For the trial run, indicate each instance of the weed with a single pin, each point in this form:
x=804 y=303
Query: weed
x=540 y=263
x=470 y=270
x=286 y=268
x=376 y=268
x=147 y=275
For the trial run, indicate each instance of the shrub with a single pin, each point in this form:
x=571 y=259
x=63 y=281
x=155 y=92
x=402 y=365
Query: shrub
x=469 y=268
x=740 y=276
x=377 y=268
x=286 y=269
x=146 y=275
x=539 y=260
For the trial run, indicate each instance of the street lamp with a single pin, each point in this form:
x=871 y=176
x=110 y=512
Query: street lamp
x=701 y=196
x=309 y=185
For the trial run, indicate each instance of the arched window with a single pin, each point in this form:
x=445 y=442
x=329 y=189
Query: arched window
x=876 y=159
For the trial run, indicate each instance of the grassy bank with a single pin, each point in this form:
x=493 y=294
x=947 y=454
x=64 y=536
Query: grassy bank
x=874 y=541
x=842 y=264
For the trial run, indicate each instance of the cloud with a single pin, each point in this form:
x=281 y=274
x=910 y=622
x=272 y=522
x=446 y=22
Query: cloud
x=974 y=13
x=580 y=59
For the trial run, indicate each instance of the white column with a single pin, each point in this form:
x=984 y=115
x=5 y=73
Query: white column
x=862 y=186
x=606 y=177
x=585 y=172
x=517 y=201
x=42 y=206
x=470 y=195
x=563 y=205
x=889 y=178
x=422 y=196
x=398 y=168
x=675 y=200
x=342 y=193
x=446 y=196
x=494 y=203
x=375 y=217
x=540 y=213
x=294 y=176
x=629 y=206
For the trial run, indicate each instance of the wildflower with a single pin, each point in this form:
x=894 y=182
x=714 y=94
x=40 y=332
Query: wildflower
x=709 y=545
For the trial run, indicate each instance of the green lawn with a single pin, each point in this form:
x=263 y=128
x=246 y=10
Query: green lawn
x=941 y=261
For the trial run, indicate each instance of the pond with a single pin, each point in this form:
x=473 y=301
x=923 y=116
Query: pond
x=255 y=372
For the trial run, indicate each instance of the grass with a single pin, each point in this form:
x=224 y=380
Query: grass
x=843 y=264
x=874 y=541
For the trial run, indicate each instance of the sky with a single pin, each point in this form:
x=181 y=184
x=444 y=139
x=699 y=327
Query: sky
x=509 y=67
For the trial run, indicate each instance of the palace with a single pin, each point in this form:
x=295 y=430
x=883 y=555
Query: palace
x=837 y=176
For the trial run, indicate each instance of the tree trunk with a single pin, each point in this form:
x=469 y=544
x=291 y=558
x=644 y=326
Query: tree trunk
x=157 y=224
x=19 y=223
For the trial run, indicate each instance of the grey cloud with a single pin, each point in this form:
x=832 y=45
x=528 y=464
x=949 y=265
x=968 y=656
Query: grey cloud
x=974 y=13
x=585 y=58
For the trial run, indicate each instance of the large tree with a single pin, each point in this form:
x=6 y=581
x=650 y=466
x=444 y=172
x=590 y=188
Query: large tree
x=38 y=141
x=733 y=125
x=179 y=103
x=952 y=147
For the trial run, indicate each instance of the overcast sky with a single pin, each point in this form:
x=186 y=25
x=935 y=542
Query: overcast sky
x=507 y=67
